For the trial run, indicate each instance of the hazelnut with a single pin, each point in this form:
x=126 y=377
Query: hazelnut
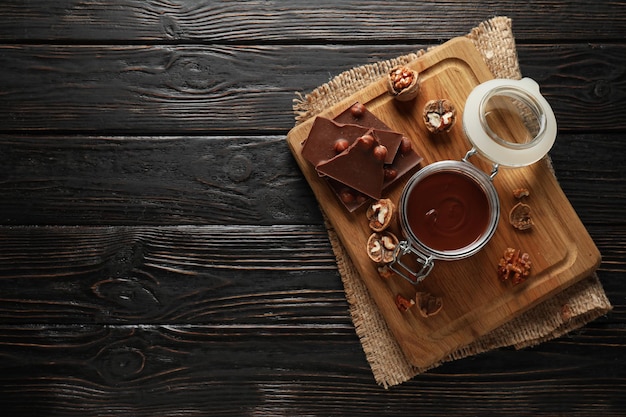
x=439 y=115
x=405 y=145
x=380 y=152
x=357 y=110
x=367 y=141
x=350 y=195
x=519 y=217
x=380 y=247
x=427 y=304
x=347 y=196
x=380 y=214
x=403 y=83
x=390 y=173
x=341 y=145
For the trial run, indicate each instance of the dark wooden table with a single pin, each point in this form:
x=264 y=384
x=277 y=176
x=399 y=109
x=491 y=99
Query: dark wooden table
x=162 y=255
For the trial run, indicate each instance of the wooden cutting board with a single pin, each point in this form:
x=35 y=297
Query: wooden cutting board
x=475 y=301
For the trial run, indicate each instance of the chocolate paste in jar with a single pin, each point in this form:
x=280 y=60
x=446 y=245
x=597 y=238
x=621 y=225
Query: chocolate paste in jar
x=447 y=210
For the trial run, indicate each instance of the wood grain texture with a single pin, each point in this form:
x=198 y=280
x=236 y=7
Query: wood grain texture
x=301 y=21
x=148 y=180
x=173 y=89
x=229 y=370
x=250 y=275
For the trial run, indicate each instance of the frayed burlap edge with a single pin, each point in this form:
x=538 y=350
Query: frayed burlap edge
x=566 y=311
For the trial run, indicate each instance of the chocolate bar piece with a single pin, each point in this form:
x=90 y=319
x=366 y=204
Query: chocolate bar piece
x=352 y=123
x=358 y=166
x=358 y=114
x=403 y=162
x=319 y=146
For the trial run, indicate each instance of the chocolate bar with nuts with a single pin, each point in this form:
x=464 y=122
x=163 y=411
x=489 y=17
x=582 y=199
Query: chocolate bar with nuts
x=323 y=142
x=330 y=138
x=360 y=166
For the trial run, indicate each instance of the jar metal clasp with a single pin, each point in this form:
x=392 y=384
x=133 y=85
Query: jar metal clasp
x=494 y=166
x=406 y=271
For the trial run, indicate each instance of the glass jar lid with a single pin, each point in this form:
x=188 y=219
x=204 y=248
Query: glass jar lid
x=509 y=122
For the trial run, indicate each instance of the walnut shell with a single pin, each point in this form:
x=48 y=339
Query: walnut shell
x=428 y=305
x=380 y=247
x=380 y=214
x=439 y=115
x=520 y=193
x=403 y=83
x=519 y=217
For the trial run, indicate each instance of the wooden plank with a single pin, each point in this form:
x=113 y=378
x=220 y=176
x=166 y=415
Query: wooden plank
x=139 y=180
x=163 y=89
x=174 y=89
x=250 y=275
x=302 y=21
x=73 y=180
x=200 y=370
x=588 y=168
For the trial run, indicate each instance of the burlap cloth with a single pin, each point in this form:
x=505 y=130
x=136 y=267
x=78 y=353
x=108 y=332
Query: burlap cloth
x=568 y=310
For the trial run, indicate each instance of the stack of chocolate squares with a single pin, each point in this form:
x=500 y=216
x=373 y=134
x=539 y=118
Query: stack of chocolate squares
x=358 y=155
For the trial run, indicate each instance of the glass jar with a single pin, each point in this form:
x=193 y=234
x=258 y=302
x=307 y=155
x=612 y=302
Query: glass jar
x=449 y=210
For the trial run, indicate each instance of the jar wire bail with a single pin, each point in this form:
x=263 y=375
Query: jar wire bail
x=406 y=271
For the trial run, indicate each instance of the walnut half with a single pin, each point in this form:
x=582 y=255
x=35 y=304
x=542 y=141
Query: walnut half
x=380 y=247
x=439 y=115
x=380 y=214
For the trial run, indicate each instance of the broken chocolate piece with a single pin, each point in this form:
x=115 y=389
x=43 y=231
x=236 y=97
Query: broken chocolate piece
x=320 y=145
x=357 y=167
x=349 y=197
x=358 y=114
x=362 y=117
x=403 y=163
x=326 y=141
x=405 y=157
